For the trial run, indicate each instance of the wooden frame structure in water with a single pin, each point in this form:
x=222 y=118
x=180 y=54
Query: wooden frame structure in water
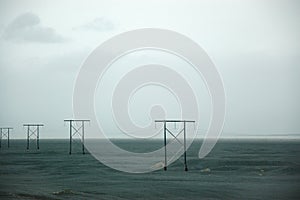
x=165 y=122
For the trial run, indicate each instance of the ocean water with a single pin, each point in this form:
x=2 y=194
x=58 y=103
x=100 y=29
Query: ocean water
x=235 y=169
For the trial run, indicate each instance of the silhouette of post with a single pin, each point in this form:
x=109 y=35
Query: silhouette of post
x=74 y=130
x=33 y=130
x=165 y=122
x=184 y=146
x=4 y=132
x=165 y=144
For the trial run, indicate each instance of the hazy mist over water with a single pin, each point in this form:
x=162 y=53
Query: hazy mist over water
x=253 y=44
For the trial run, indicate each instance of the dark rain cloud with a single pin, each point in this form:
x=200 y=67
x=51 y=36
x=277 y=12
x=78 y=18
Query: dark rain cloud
x=98 y=24
x=27 y=27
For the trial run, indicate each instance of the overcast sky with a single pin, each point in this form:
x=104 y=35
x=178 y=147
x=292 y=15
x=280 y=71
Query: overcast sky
x=254 y=44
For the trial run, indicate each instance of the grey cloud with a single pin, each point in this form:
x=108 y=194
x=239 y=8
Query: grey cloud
x=98 y=24
x=28 y=28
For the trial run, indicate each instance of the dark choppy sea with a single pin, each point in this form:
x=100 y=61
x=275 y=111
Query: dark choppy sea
x=233 y=170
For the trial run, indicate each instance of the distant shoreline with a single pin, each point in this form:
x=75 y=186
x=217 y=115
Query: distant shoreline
x=196 y=139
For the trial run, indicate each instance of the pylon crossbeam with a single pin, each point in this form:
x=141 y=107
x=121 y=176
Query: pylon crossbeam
x=77 y=131
x=175 y=137
x=33 y=131
x=32 y=134
x=74 y=134
x=4 y=134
